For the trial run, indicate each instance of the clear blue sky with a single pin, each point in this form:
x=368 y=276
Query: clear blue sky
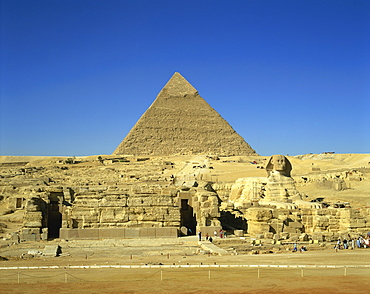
x=291 y=77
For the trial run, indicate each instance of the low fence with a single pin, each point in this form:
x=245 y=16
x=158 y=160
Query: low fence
x=122 y=273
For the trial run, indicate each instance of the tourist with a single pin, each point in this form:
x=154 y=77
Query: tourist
x=215 y=233
x=345 y=244
x=303 y=248
x=295 y=249
x=221 y=233
x=200 y=235
x=210 y=239
x=207 y=237
x=358 y=242
x=338 y=243
x=366 y=242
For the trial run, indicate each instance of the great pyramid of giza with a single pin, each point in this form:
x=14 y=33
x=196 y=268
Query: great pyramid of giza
x=180 y=122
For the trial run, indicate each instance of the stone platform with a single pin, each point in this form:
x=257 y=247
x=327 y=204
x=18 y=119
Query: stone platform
x=111 y=233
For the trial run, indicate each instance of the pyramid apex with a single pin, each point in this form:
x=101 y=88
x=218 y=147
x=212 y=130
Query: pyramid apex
x=178 y=86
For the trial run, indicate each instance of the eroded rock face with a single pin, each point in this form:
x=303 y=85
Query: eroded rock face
x=206 y=205
x=247 y=190
x=138 y=210
x=33 y=217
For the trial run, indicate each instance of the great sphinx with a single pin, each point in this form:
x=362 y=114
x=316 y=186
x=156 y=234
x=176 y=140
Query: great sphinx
x=277 y=189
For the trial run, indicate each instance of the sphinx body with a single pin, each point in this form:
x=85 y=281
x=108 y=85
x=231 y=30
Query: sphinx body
x=278 y=189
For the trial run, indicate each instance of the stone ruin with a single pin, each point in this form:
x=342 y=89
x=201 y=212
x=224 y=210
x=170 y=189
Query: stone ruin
x=143 y=207
x=274 y=208
x=148 y=212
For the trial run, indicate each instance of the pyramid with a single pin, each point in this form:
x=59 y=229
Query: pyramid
x=180 y=122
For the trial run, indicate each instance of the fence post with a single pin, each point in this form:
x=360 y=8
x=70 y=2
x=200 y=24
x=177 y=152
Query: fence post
x=209 y=274
x=345 y=271
x=258 y=272
x=161 y=275
x=301 y=272
x=65 y=277
x=18 y=277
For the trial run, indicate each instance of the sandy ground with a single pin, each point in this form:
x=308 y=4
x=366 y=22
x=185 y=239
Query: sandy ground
x=349 y=270
x=221 y=282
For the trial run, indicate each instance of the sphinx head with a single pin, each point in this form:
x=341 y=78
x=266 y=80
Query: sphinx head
x=279 y=164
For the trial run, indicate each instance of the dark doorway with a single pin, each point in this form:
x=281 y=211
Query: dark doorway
x=230 y=222
x=187 y=217
x=19 y=203
x=54 y=220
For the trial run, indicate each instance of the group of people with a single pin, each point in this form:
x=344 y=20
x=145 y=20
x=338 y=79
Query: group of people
x=352 y=243
x=302 y=249
x=221 y=233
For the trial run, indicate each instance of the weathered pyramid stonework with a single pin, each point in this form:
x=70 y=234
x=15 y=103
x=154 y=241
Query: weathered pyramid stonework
x=180 y=122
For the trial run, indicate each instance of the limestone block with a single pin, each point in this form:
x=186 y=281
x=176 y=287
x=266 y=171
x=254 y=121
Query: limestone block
x=79 y=234
x=149 y=216
x=304 y=237
x=138 y=201
x=30 y=234
x=322 y=211
x=171 y=224
x=259 y=214
x=294 y=236
x=161 y=217
x=149 y=224
x=166 y=232
x=214 y=211
x=113 y=201
x=333 y=221
x=321 y=221
x=308 y=219
x=33 y=204
x=239 y=233
x=147 y=232
x=203 y=198
x=291 y=230
x=357 y=223
x=295 y=225
x=276 y=226
x=150 y=200
x=81 y=212
x=107 y=233
x=113 y=215
x=348 y=214
x=90 y=219
x=205 y=205
x=32 y=219
x=268 y=235
x=306 y=211
x=258 y=227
